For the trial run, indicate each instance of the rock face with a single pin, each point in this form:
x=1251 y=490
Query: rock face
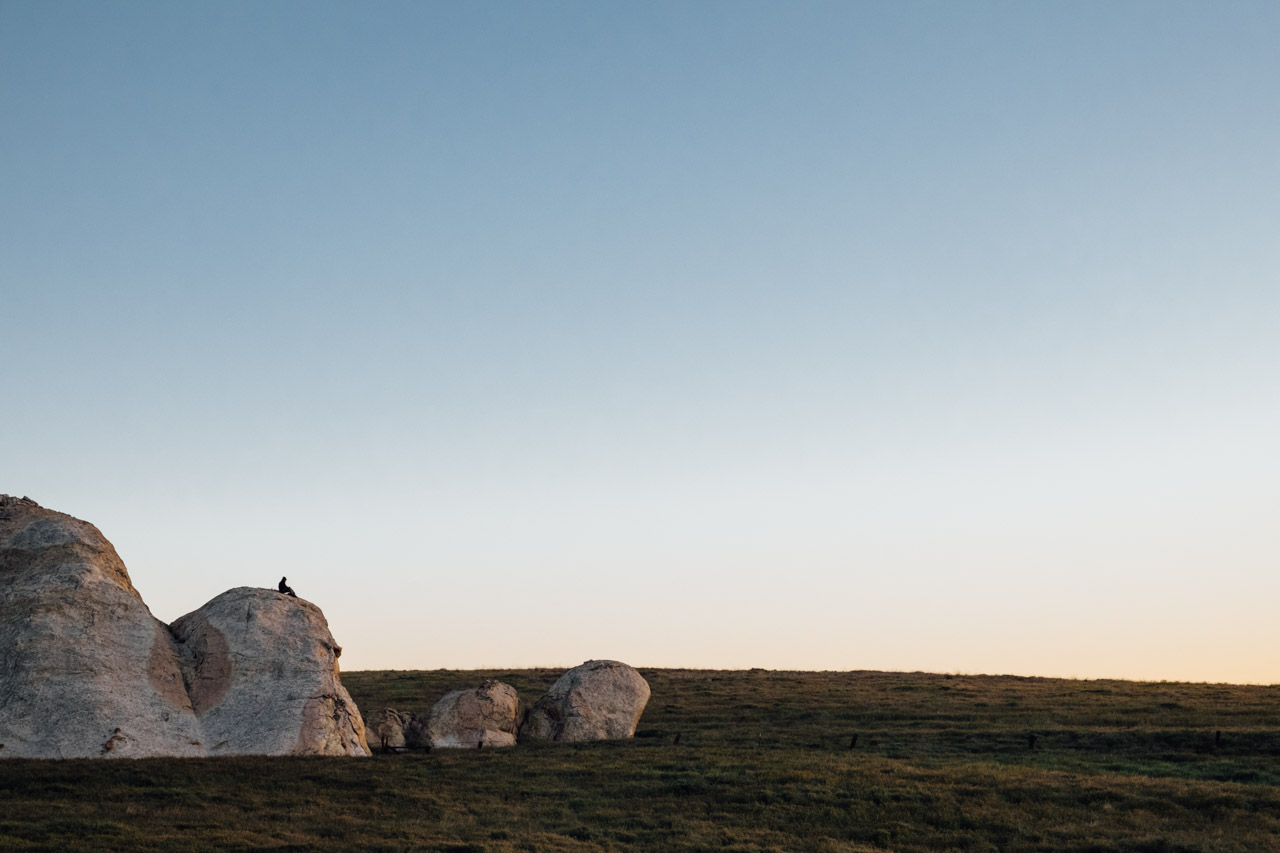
x=87 y=671
x=599 y=700
x=486 y=716
x=262 y=671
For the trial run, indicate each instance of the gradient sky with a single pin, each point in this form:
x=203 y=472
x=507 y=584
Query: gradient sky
x=910 y=335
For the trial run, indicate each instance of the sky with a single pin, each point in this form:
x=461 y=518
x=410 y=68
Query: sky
x=903 y=336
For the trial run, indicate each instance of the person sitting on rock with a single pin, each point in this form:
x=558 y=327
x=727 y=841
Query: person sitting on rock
x=286 y=589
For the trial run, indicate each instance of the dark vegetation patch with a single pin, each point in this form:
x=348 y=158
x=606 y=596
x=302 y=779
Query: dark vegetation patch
x=765 y=761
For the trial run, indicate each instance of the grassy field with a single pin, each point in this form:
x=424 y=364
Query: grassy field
x=764 y=762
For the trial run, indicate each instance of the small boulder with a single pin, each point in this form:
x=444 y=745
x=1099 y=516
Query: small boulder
x=487 y=716
x=599 y=700
x=415 y=732
x=385 y=729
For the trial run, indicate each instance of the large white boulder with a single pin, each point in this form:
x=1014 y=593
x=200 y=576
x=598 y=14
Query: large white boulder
x=262 y=671
x=85 y=669
x=599 y=700
x=470 y=719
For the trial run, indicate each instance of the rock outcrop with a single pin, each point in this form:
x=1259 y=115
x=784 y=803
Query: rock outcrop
x=87 y=671
x=599 y=700
x=487 y=716
x=262 y=671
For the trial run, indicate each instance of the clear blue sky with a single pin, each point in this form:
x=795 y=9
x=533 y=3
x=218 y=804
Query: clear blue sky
x=919 y=335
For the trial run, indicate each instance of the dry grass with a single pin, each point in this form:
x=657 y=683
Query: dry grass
x=763 y=763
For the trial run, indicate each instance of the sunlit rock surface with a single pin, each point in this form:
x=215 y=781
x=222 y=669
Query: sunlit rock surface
x=487 y=715
x=262 y=671
x=599 y=700
x=87 y=671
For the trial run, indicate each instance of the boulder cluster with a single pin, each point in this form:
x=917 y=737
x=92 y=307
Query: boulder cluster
x=87 y=671
x=599 y=700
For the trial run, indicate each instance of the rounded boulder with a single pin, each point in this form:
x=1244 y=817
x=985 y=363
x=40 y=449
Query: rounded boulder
x=599 y=700
x=488 y=715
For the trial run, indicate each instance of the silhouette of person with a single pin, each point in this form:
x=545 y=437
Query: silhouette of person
x=286 y=589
